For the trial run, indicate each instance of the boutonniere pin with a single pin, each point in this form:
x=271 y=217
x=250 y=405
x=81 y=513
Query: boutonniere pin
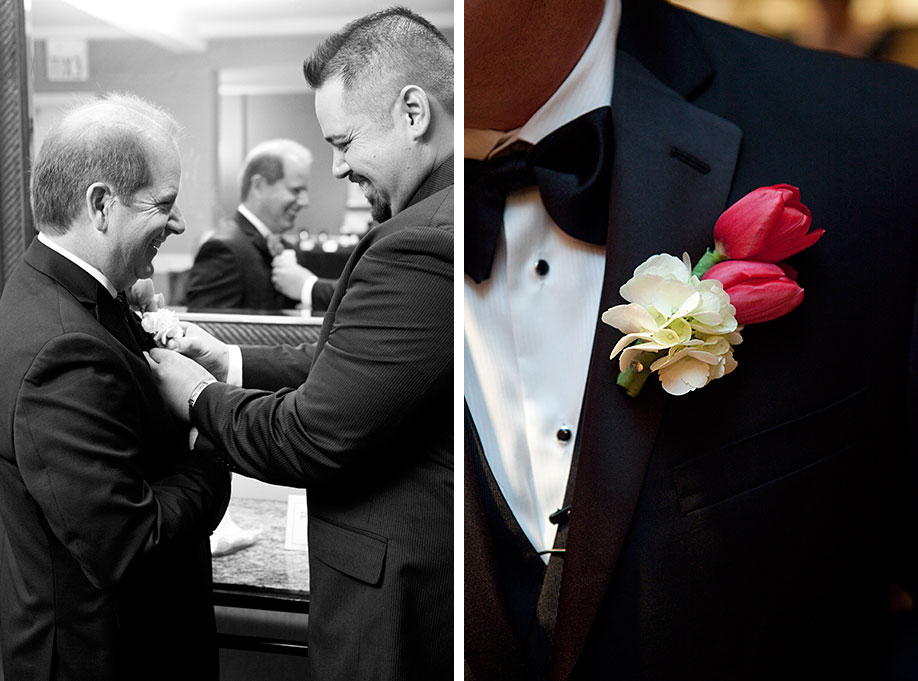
x=156 y=318
x=683 y=322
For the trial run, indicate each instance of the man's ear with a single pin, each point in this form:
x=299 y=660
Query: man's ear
x=99 y=197
x=414 y=109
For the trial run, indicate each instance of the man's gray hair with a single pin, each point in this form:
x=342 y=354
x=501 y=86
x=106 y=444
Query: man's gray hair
x=267 y=160
x=106 y=140
x=392 y=47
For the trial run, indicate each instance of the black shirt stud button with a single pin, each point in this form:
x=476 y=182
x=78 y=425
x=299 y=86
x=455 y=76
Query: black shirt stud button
x=564 y=434
x=541 y=268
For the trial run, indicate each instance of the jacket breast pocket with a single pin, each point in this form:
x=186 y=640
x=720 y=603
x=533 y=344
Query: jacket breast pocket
x=770 y=455
x=356 y=553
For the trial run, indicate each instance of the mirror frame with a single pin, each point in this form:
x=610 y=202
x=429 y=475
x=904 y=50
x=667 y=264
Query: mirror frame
x=16 y=230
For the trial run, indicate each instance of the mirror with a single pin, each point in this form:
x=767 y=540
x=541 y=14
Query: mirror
x=231 y=74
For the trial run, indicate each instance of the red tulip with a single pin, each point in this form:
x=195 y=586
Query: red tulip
x=760 y=291
x=768 y=224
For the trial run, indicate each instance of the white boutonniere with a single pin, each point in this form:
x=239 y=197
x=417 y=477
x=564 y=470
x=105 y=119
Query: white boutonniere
x=683 y=322
x=156 y=319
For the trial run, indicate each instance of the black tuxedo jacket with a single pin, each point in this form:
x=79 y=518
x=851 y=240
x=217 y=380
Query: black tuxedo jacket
x=748 y=529
x=105 y=561
x=368 y=433
x=232 y=269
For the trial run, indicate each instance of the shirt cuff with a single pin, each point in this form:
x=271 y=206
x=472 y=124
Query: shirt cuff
x=234 y=366
x=306 y=293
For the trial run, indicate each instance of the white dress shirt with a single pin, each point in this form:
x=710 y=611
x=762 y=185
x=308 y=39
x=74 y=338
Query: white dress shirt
x=529 y=327
x=79 y=262
x=306 y=291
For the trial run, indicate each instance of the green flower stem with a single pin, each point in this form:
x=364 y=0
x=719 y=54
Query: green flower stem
x=633 y=378
x=708 y=260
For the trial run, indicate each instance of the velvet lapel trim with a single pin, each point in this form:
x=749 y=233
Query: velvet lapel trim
x=490 y=643
x=672 y=173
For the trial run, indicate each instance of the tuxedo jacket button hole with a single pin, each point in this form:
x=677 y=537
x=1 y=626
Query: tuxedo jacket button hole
x=541 y=268
x=564 y=434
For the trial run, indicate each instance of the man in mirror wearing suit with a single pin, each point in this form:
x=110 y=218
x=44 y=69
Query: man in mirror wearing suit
x=363 y=419
x=105 y=568
x=749 y=529
x=242 y=265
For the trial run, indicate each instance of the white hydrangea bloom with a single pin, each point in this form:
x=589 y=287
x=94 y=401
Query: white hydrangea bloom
x=163 y=324
x=688 y=323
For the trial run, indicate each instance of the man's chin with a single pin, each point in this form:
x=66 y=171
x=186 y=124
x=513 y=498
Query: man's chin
x=380 y=210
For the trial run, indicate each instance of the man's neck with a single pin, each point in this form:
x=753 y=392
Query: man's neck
x=504 y=85
x=71 y=247
x=256 y=221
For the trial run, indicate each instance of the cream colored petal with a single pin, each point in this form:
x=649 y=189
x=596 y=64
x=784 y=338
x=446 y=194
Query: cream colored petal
x=706 y=357
x=684 y=376
x=630 y=318
x=625 y=341
x=689 y=305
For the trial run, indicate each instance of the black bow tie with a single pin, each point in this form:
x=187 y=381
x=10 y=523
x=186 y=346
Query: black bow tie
x=572 y=168
x=116 y=316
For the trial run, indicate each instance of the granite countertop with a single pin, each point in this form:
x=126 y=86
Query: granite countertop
x=266 y=566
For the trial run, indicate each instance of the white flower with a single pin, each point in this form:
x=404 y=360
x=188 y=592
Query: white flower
x=671 y=311
x=163 y=324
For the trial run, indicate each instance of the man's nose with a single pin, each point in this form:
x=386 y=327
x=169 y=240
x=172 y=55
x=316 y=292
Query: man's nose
x=340 y=168
x=176 y=223
x=302 y=199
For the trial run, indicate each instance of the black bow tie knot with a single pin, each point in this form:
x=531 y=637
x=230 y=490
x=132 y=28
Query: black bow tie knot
x=572 y=168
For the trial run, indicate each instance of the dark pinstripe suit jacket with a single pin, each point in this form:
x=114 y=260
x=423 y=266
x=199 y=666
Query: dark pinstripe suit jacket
x=368 y=433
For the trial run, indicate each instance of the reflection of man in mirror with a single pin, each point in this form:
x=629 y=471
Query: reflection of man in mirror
x=363 y=419
x=105 y=568
x=247 y=264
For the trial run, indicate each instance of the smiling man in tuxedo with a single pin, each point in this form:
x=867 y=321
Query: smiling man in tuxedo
x=105 y=569
x=363 y=419
x=747 y=529
x=238 y=266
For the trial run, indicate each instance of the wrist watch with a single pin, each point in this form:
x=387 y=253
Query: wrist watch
x=198 y=389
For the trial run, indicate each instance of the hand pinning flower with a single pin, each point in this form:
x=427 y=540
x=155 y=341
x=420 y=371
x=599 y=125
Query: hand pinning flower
x=683 y=323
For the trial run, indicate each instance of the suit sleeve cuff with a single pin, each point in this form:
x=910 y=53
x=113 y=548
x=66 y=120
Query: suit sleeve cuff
x=234 y=366
x=306 y=293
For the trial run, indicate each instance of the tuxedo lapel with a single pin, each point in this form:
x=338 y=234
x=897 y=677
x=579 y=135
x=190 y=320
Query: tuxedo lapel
x=672 y=172
x=490 y=643
x=253 y=235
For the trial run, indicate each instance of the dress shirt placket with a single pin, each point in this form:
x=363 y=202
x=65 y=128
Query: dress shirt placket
x=553 y=318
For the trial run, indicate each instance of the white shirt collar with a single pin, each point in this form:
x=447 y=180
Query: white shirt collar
x=79 y=262
x=587 y=87
x=254 y=219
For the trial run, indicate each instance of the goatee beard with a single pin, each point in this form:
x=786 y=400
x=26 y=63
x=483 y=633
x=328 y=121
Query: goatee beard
x=380 y=210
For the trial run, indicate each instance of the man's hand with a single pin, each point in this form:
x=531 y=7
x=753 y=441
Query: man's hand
x=288 y=276
x=176 y=377
x=210 y=353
